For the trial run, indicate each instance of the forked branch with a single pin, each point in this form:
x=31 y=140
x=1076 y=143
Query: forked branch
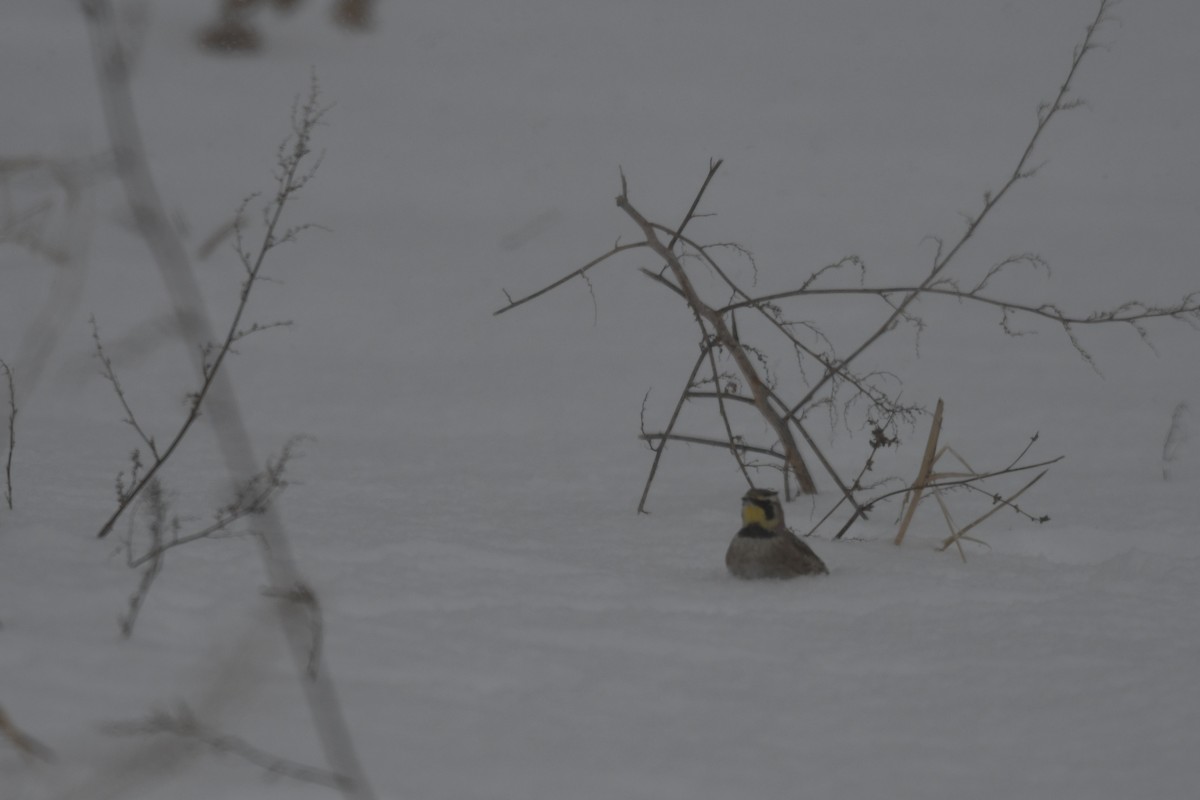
x=721 y=331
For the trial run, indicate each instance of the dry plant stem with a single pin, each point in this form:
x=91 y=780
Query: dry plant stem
x=950 y=524
x=931 y=446
x=12 y=434
x=724 y=337
x=944 y=257
x=220 y=400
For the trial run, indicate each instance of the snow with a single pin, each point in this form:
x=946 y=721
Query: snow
x=500 y=623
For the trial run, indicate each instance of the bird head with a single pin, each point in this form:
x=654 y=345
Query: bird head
x=762 y=507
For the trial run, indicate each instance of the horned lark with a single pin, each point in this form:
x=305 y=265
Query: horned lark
x=764 y=547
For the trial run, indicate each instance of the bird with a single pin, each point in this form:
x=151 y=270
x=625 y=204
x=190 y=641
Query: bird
x=765 y=547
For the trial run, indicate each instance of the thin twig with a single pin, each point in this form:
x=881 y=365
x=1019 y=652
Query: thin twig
x=721 y=443
x=109 y=373
x=878 y=440
x=1008 y=501
x=12 y=434
x=579 y=273
x=943 y=484
x=847 y=491
x=713 y=166
x=733 y=440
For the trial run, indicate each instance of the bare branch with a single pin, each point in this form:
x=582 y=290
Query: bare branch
x=836 y=369
x=726 y=338
x=1132 y=313
x=1187 y=309
x=879 y=440
x=945 y=257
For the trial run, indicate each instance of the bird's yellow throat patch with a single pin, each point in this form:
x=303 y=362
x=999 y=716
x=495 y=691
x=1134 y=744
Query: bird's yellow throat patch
x=754 y=515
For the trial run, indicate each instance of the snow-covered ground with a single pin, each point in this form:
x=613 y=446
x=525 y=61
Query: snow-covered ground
x=501 y=624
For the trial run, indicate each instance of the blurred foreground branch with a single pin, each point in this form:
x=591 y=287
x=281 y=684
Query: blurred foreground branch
x=220 y=401
x=21 y=740
x=184 y=724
